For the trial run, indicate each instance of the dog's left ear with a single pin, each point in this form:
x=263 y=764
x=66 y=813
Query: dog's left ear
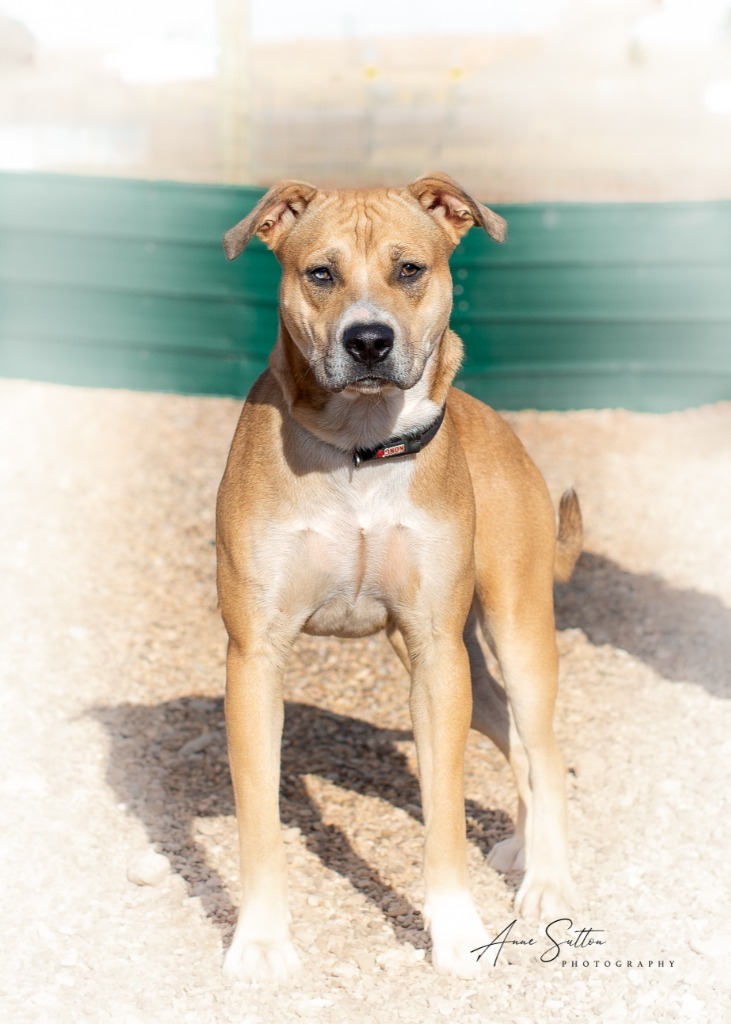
x=454 y=209
x=271 y=218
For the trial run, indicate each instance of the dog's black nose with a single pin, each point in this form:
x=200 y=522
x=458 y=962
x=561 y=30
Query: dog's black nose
x=368 y=343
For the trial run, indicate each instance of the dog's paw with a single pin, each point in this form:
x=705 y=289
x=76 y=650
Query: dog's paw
x=545 y=899
x=263 y=962
x=507 y=855
x=261 y=954
x=457 y=934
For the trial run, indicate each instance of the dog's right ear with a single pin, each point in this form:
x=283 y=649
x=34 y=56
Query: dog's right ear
x=271 y=218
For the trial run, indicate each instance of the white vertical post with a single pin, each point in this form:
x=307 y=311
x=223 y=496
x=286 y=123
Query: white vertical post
x=235 y=91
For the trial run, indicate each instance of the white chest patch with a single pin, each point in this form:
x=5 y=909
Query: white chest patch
x=355 y=545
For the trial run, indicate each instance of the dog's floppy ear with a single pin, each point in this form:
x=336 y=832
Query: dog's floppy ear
x=271 y=218
x=454 y=208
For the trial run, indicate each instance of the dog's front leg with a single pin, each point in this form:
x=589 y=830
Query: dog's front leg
x=261 y=949
x=441 y=709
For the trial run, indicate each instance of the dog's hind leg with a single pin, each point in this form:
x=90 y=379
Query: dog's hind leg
x=523 y=633
x=396 y=639
x=491 y=716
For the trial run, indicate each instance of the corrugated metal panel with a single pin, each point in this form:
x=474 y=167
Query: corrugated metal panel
x=124 y=284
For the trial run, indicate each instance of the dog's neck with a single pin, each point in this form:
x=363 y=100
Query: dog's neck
x=410 y=443
x=348 y=420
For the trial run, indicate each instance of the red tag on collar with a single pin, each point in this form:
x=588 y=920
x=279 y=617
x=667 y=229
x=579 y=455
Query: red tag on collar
x=395 y=449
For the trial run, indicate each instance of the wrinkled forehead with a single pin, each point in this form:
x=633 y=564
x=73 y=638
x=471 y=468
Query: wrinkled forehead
x=366 y=223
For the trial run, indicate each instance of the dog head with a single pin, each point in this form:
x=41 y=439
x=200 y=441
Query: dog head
x=366 y=290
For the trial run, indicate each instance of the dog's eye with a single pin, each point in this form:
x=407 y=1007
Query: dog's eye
x=410 y=270
x=321 y=274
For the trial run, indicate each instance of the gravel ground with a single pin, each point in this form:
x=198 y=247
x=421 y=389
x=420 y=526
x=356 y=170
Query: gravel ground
x=118 y=850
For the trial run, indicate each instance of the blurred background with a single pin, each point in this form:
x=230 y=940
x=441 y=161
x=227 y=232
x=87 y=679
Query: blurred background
x=133 y=133
x=532 y=100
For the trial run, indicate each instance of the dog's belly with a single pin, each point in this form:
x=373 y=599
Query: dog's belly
x=343 y=618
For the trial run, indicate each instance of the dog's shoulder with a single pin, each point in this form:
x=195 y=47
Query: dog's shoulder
x=477 y=422
x=260 y=421
x=498 y=462
x=255 y=458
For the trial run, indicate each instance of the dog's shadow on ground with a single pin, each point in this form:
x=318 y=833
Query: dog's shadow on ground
x=683 y=634
x=168 y=762
x=168 y=765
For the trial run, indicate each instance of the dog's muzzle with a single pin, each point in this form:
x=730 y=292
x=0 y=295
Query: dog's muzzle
x=367 y=356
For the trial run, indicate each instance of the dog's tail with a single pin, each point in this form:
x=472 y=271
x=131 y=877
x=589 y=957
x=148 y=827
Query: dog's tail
x=570 y=536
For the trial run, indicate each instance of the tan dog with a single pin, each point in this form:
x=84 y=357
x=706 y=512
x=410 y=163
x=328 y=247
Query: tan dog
x=327 y=525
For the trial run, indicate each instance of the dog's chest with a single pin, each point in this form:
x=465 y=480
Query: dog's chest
x=354 y=547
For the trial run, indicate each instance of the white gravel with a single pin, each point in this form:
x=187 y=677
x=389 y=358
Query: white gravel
x=118 y=852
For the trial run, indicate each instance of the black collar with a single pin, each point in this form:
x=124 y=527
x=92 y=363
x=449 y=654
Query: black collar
x=395 y=447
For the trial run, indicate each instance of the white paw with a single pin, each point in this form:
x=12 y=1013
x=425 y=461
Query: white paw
x=545 y=899
x=256 y=957
x=457 y=934
x=507 y=855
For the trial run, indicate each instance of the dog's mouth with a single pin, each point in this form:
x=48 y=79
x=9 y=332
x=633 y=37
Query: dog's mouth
x=370 y=385
x=366 y=380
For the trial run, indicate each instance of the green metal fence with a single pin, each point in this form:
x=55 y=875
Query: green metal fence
x=120 y=283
